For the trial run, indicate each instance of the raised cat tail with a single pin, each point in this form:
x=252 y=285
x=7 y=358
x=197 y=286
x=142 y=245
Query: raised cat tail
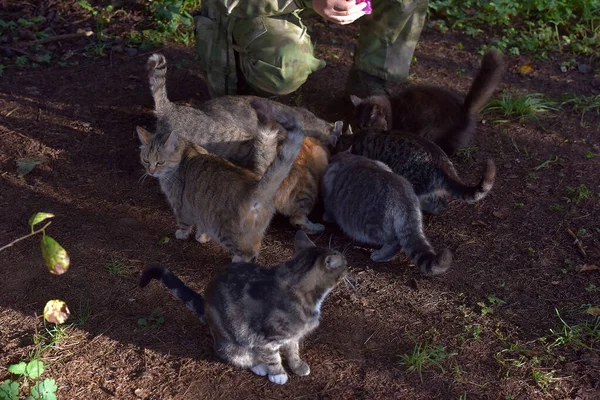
x=282 y=163
x=471 y=194
x=492 y=67
x=191 y=299
x=157 y=75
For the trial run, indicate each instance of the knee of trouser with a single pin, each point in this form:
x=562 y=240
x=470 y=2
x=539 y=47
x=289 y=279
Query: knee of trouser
x=280 y=70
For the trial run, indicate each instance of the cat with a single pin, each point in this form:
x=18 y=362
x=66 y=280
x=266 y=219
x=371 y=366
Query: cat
x=420 y=161
x=253 y=312
x=375 y=206
x=227 y=126
x=225 y=202
x=438 y=114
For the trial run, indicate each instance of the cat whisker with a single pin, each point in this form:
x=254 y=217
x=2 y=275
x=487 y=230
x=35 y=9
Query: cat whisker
x=348 y=282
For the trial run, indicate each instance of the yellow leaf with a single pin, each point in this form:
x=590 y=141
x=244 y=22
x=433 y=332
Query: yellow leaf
x=56 y=312
x=526 y=69
x=594 y=311
x=57 y=259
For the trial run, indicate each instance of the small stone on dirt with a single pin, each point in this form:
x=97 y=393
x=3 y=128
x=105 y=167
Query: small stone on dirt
x=502 y=214
x=142 y=393
x=584 y=68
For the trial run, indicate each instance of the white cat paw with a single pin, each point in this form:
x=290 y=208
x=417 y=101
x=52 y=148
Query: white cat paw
x=302 y=369
x=181 y=234
x=312 y=228
x=259 y=369
x=279 y=379
x=202 y=238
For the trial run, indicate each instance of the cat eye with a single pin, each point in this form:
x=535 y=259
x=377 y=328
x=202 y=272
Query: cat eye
x=145 y=160
x=160 y=163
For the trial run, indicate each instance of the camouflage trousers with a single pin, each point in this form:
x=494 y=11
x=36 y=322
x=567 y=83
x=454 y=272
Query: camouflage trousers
x=275 y=54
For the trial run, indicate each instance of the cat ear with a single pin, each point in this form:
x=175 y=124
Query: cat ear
x=334 y=261
x=143 y=134
x=172 y=142
x=355 y=100
x=302 y=241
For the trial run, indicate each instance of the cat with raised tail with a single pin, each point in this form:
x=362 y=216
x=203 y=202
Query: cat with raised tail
x=375 y=206
x=420 y=161
x=228 y=127
x=438 y=114
x=223 y=201
x=253 y=312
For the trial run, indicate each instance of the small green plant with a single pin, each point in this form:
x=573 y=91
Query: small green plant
x=556 y=208
x=591 y=288
x=118 y=267
x=422 y=356
x=475 y=330
x=519 y=204
x=103 y=16
x=493 y=302
x=583 y=104
x=577 y=336
x=589 y=155
x=578 y=194
x=521 y=107
x=31 y=371
x=542 y=379
x=155 y=319
x=467 y=154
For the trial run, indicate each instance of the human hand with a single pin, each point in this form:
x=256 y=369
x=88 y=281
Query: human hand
x=339 y=12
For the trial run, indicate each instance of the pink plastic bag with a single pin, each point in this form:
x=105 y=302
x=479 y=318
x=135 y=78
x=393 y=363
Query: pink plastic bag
x=368 y=9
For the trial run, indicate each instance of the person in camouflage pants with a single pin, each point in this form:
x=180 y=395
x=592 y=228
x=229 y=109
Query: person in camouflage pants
x=273 y=51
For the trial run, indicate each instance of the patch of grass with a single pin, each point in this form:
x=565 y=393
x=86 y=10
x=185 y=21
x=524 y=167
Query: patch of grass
x=577 y=336
x=578 y=194
x=48 y=338
x=542 y=379
x=532 y=26
x=582 y=104
x=423 y=356
x=493 y=302
x=118 y=267
x=521 y=107
x=84 y=313
x=466 y=154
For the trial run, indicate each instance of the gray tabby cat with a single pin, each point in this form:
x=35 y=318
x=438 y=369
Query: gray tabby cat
x=253 y=312
x=225 y=202
x=226 y=126
x=438 y=114
x=375 y=206
x=420 y=161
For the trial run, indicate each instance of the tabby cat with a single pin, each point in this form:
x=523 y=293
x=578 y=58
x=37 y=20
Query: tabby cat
x=227 y=126
x=422 y=163
x=375 y=206
x=253 y=312
x=225 y=202
x=438 y=114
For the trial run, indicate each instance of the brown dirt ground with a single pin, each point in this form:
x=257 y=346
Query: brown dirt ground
x=510 y=245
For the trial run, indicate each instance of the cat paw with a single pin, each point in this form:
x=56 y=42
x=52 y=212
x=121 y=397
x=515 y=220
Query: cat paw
x=202 y=237
x=182 y=234
x=379 y=256
x=279 y=379
x=259 y=369
x=312 y=228
x=301 y=368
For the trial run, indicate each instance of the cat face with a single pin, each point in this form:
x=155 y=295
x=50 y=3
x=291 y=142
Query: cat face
x=159 y=156
x=371 y=112
x=328 y=268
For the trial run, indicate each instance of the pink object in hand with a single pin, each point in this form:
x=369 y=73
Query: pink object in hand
x=368 y=9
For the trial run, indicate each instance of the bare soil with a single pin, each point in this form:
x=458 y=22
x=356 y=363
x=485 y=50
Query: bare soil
x=515 y=265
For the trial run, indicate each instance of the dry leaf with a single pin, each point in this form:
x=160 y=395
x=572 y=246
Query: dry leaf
x=56 y=312
x=478 y=223
x=594 y=311
x=589 y=267
x=500 y=214
x=526 y=68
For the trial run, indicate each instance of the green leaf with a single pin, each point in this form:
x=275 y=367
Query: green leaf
x=44 y=58
x=9 y=390
x=39 y=217
x=44 y=390
x=26 y=165
x=142 y=322
x=56 y=257
x=18 y=369
x=35 y=368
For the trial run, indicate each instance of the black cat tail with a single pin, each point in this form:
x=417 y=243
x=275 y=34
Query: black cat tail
x=471 y=194
x=157 y=75
x=492 y=67
x=191 y=299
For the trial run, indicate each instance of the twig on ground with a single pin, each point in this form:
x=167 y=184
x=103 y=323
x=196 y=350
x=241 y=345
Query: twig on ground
x=25 y=237
x=577 y=242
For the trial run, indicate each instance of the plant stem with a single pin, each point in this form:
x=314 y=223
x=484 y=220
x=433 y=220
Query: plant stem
x=25 y=237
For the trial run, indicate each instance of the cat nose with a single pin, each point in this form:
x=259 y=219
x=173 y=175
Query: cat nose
x=151 y=170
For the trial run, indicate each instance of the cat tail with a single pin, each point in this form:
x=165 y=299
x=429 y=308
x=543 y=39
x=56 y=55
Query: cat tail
x=283 y=161
x=471 y=194
x=492 y=67
x=429 y=263
x=191 y=299
x=157 y=74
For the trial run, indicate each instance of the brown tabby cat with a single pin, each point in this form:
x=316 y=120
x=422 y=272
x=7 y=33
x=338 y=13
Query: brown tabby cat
x=227 y=203
x=437 y=114
x=227 y=126
x=253 y=312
